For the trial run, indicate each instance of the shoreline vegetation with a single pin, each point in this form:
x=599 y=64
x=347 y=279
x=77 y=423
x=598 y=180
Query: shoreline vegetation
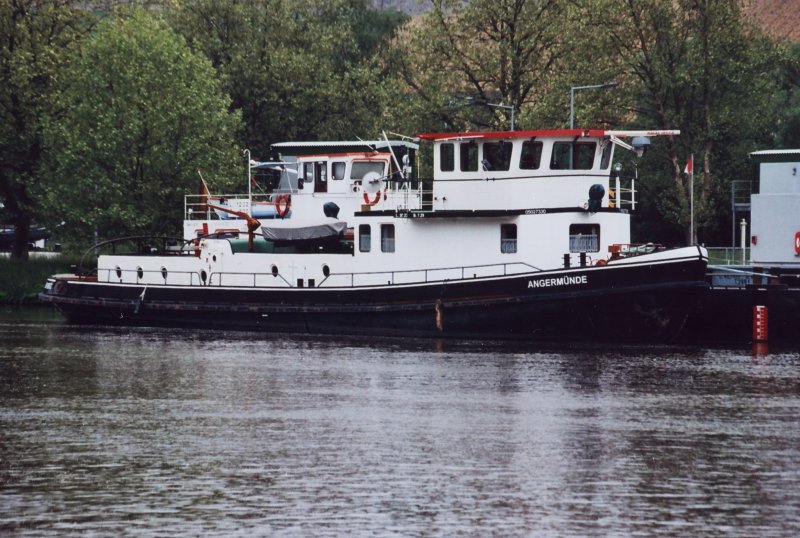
x=22 y=280
x=113 y=107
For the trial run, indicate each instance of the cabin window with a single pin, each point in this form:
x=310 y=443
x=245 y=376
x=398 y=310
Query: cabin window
x=581 y=153
x=387 y=237
x=308 y=173
x=447 y=157
x=605 y=159
x=469 y=157
x=497 y=155
x=531 y=157
x=508 y=238
x=338 y=170
x=584 y=238
x=364 y=238
x=362 y=168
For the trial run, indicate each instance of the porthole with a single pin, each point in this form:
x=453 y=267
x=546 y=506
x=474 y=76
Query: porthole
x=274 y=270
x=203 y=276
x=139 y=273
x=326 y=271
x=164 y=273
x=214 y=258
x=119 y=272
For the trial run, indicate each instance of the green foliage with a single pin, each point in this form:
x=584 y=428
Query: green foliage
x=298 y=70
x=106 y=132
x=698 y=67
x=22 y=280
x=35 y=39
x=498 y=51
x=141 y=113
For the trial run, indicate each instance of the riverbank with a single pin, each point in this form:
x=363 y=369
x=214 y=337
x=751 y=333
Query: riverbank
x=22 y=280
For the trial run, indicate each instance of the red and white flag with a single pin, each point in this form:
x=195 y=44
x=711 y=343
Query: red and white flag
x=689 y=166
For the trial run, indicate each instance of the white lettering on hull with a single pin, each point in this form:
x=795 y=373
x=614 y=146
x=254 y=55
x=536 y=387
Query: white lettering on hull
x=558 y=281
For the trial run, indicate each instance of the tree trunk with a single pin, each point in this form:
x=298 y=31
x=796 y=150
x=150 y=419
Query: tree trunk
x=22 y=232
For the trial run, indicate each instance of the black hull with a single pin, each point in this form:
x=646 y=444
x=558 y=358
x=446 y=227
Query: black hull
x=725 y=315
x=638 y=302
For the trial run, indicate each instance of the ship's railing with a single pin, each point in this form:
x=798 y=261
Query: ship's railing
x=584 y=243
x=622 y=193
x=728 y=256
x=171 y=277
x=141 y=245
x=372 y=278
x=195 y=206
x=149 y=277
x=408 y=194
x=426 y=276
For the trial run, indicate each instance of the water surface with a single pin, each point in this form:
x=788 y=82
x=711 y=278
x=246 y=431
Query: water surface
x=180 y=432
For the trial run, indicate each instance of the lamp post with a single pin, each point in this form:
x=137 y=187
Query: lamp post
x=510 y=107
x=481 y=101
x=572 y=90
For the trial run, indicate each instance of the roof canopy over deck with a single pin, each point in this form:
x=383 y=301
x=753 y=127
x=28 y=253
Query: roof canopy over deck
x=543 y=133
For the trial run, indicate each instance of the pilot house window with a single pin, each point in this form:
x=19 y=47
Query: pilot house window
x=447 y=161
x=469 y=157
x=572 y=156
x=508 y=238
x=497 y=155
x=531 y=156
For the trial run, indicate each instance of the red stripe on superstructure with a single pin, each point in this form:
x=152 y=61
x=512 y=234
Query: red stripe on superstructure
x=516 y=134
x=366 y=155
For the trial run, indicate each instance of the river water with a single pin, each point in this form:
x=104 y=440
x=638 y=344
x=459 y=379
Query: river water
x=110 y=431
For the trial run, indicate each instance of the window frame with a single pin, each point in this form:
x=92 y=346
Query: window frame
x=578 y=235
x=508 y=238
x=447 y=158
x=536 y=156
x=388 y=238
x=364 y=238
x=471 y=151
x=491 y=154
x=577 y=156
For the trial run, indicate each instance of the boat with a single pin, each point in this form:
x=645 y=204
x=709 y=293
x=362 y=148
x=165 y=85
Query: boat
x=514 y=234
x=36 y=237
x=758 y=300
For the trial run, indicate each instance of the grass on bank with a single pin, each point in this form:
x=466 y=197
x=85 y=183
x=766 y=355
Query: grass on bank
x=21 y=281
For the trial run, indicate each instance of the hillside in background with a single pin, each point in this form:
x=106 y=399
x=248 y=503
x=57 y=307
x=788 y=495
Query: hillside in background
x=779 y=18
x=412 y=7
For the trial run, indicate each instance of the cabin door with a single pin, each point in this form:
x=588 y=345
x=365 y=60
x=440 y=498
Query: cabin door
x=321 y=177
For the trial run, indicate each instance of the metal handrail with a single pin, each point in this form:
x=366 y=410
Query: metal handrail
x=141 y=239
x=196 y=280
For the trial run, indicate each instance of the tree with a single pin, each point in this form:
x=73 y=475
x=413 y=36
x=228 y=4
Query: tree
x=298 y=70
x=141 y=114
x=698 y=67
x=35 y=39
x=789 y=76
x=499 y=51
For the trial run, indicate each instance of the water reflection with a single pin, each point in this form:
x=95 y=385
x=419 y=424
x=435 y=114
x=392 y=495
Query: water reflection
x=183 y=432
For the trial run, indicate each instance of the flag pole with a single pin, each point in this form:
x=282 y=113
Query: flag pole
x=691 y=199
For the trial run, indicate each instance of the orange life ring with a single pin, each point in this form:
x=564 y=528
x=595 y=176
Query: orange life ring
x=282 y=204
x=372 y=202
